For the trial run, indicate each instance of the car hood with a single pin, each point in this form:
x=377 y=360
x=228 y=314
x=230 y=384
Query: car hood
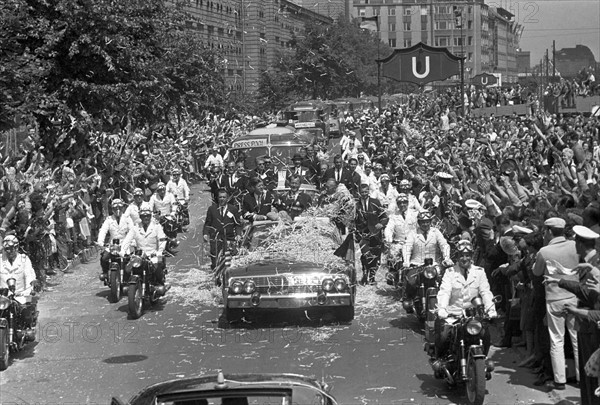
x=207 y=383
x=269 y=267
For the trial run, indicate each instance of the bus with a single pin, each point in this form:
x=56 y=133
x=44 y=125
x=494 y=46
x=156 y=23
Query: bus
x=310 y=116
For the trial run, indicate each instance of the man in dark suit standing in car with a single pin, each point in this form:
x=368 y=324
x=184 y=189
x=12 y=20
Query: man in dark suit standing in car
x=223 y=224
x=295 y=202
x=339 y=173
x=370 y=219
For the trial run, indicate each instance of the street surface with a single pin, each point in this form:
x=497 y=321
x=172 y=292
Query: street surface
x=88 y=351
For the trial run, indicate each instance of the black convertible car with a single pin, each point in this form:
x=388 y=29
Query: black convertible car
x=235 y=389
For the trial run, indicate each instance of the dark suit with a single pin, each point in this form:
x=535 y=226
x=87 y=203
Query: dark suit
x=269 y=178
x=370 y=238
x=306 y=175
x=295 y=205
x=251 y=207
x=220 y=229
x=346 y=178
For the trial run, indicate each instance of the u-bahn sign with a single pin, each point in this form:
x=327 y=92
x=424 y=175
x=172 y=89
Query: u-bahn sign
x=484 y=79
x=420 y=64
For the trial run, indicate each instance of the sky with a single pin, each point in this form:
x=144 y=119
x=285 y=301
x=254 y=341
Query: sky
x=568 y=22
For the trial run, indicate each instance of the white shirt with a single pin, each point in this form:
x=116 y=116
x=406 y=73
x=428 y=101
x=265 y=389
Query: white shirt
x=214 y=160
x=179 y=189
x=456 y=292
x=417 y=248
x=115 y=230
x=21 y=270
x=133 y=213
x=387 y=199
x=166 y=205
x=399 y=227
x=151 y=240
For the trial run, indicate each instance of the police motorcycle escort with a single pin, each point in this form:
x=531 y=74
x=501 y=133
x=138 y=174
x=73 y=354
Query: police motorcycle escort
x=112 y=263
x=146 y=268
x=180 y=190
x=164 y=207
x=458 y=353
x=420 y=280
x=18 y=301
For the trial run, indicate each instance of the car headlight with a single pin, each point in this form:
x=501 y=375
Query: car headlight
x=249 y=287
x=340 y=284
x=136 y=261
x=474 y=327
x=430 y=272
x=236 y=287
x=327 y=284
x=4 y=303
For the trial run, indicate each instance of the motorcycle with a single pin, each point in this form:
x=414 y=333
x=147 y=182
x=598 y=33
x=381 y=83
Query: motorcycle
x=117 y=278
x=395 y=264
x=17 y=322
x=182 y=214
x=465 y=362
x=142 y=291
x=426 y=279
x=170 y=228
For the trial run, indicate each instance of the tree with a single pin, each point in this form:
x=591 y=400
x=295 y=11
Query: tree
x=81 y=64
x=326 y=62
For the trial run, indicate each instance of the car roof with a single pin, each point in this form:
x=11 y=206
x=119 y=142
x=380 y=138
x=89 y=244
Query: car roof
x=232 y=381
x=273 y=131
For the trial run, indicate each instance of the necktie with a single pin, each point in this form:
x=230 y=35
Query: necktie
x=222 y=211
x=231 y=182
x=365 y=205
x=337 y=176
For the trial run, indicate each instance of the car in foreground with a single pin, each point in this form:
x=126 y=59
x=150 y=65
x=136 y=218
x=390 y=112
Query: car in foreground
x=288 y=267
x=235 y=389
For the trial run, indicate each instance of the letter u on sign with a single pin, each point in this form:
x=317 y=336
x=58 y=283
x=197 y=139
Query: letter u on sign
x=414 y=68
x=484 y=81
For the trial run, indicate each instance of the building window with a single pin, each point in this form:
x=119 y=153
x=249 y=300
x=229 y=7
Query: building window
x=469 y=24
x=424 y=10
x=407 y=11
x=442 y=9
x=392 y=42
x=424 y=25
x=406 y=26
x=458 y=41
x=442 y=41
x=442 y=25
x=392 y=11
x=377 y=11
x=470 y=41
x=392 y=27
x=362 y=12
x=407 y=43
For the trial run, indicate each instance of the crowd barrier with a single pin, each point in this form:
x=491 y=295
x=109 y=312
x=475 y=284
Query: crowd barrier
x=553 y=105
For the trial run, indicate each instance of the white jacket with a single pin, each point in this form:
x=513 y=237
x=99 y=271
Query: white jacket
x=417 y=248
x=114 y=229
x=21 y=270
x=179 y=189
x=165 y=205
x=456 y=292
x=151 y=240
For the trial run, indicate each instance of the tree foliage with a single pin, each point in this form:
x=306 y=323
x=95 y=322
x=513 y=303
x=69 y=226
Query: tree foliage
x=327 y=62
x=77 y=64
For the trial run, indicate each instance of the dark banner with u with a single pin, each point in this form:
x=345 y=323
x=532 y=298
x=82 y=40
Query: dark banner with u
x=420 y=64
x=484 y=79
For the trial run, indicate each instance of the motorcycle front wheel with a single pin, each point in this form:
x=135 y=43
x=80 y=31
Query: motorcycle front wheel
x=476 y=381
x=4 y=351
x=135 y=300
x=115 y=286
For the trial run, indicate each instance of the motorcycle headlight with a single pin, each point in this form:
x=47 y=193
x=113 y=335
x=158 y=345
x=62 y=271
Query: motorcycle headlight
x=236 y=287
x=114 y=250
x=340 y=284
x=4 y=303
x=136 y=261
x=249 y=287
x=474 y=327
x=327 y=284
x=430 y=272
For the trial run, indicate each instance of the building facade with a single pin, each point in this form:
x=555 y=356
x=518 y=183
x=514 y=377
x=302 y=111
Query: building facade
x=488 y=38
x=331 y=8
x=247 y=34
x=570 y=61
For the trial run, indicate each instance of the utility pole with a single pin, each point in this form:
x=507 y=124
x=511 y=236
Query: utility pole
x=553 y=59
x=547 y=65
